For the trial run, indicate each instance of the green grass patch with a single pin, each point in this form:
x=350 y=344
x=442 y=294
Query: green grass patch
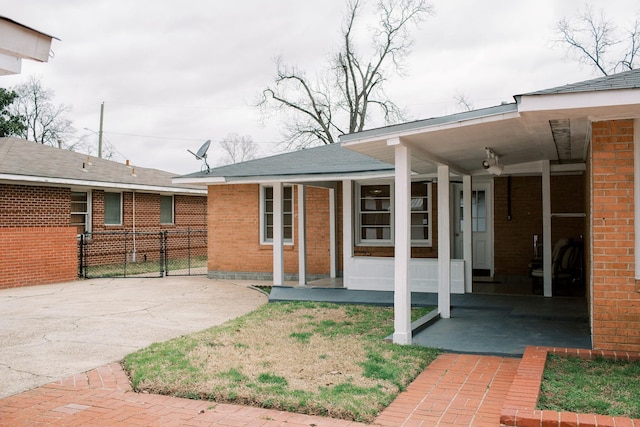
x=313 y=358
x=599 y=386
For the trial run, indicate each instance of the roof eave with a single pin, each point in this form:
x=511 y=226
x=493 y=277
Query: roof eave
x=33 y=180
x=299 y=178
x=500 y=112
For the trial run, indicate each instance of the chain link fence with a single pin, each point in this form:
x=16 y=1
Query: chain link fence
x=142 y=254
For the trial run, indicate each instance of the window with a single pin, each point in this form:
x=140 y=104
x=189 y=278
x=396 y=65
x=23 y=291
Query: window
x=266 y=206
x=421 y=213
x=478 y=211
x=112 y=208
x=166 y=209
x=80 y=211
x=375 y=214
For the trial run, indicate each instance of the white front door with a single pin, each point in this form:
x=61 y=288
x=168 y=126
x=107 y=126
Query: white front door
x=482 y=226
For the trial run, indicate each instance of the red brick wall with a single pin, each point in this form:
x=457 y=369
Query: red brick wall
x=514 y=237
x=616 y=300
x=39 y=246
x=37 y=255
x=189 y=212
x=234 y=231
x=34 y=206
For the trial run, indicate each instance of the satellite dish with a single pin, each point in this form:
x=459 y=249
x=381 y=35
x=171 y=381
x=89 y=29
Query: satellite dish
x=201 y=154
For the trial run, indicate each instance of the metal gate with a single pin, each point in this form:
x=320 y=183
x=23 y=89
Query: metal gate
x=142 y=254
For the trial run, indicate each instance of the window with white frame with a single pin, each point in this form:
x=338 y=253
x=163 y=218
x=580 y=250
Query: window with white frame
x=112 y=208
x=166 y=209
x=375 y=214
x=266 y=214
x=80 y=203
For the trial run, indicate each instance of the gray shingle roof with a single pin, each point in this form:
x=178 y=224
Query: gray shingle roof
x=41 y=163
x=626 y=80
x=324 y=160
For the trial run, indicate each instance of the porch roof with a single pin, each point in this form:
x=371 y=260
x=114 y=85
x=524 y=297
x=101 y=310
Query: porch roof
x=551 y=124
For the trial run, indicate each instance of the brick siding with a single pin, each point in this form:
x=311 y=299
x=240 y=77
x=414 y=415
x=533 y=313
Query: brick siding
x=616 y=301
x=37 y=255
x=34 y=206
x=234 y=231
x=514 y=237
x=39 y=246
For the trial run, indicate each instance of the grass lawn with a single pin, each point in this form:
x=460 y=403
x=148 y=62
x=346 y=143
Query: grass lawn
x=599 y=386
x=312 y=358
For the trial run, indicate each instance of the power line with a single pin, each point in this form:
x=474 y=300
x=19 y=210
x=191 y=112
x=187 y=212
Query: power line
x=179 y=139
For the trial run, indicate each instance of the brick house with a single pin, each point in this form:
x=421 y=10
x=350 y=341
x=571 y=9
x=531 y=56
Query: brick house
x=49 y=196
x=448 y=204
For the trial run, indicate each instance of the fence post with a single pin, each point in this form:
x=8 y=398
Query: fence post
x=164 y=250
x=80 y=254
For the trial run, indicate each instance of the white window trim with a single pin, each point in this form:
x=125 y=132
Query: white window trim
x=359 y=241
x=358 y=200
x=105 y=210
x=87 y=222
x=173 y=210
x=426 y=242
x=263 y=239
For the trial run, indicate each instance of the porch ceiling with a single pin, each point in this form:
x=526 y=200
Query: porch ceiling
x=518 y=137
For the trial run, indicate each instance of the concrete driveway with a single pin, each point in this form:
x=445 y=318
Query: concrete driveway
x=51 y=332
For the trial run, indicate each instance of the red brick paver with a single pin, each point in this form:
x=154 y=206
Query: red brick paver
x=453 y=390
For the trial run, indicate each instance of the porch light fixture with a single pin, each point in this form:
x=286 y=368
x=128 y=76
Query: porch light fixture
x=491 y=162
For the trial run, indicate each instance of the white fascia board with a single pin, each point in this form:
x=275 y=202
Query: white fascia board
x=39 y=180
x=319 y=178
x=24 y=42
x=10 y=65
x=199 y=181
x=427 y=128
x=567 y=101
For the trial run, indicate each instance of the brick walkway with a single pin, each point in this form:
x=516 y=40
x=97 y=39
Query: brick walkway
x=453 y=390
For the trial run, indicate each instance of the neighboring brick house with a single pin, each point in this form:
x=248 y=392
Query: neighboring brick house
x=48 y=196
x=436 y=205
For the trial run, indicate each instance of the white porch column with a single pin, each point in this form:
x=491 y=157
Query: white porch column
x=444 y=242
x=302 y=240
x=332 y=233
x=278 y=235
x=467 y=233
x=546 y=229
x=347 y=229
x=402 y=219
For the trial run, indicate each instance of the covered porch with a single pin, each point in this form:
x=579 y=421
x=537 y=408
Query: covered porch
x=525 y=138
x=501 y=325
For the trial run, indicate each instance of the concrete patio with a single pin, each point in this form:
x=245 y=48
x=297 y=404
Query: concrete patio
x=499 y=325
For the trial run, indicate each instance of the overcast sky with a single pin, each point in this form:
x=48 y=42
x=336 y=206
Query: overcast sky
x=173 y=74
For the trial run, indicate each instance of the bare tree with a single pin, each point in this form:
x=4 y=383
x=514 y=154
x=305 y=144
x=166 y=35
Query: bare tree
x=463 y=102
x=341 y=100
x=45 y=122
x=238 y=148
x=596 y=41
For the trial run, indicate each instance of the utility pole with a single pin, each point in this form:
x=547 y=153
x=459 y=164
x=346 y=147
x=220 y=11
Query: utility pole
x=100 y=131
